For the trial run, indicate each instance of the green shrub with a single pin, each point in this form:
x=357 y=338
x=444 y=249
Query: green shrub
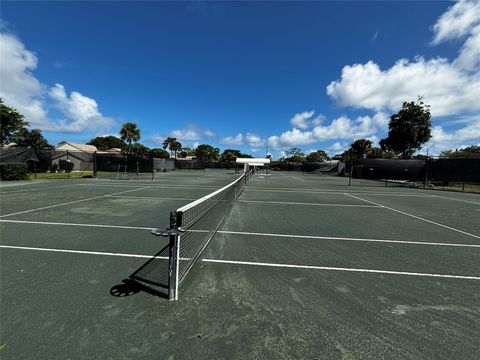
x=14 y=172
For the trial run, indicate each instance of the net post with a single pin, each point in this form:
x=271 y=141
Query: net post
x=174 y=251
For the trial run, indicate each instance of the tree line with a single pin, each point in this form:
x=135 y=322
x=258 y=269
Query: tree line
x=409 y=129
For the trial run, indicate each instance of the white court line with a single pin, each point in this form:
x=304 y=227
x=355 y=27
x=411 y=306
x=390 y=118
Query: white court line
x=150 y=198
x=346 y=239
x=36 y=188
x=304 y=203
x=316 y=191
x=71 y=202
x=465 y=201
x=76 y=224
x=246 y=233
x=340 y=269
x=25 y=183
x=165 y=186
x=80 y=252
x=297 y=178
x=416 y=217
x=308 y=267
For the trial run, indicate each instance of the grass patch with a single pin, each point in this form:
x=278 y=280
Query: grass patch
x=62 y=175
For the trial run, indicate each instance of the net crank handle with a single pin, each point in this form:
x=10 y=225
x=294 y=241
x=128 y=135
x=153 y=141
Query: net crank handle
x=167 y=232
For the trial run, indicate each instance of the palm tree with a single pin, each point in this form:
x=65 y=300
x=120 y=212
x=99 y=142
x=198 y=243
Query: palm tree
x=173 y=145
x=130 y=132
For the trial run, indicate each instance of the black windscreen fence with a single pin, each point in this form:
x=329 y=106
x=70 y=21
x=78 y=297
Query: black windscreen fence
x=393 y=169
x=46 y=163
x=439 y=173
x=455 y=173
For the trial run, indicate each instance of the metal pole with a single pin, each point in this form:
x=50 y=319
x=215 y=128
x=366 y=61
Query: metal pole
x=464 y=170
x=68 y=165
x=95 y=164
x=351 y=168
x=173 y=249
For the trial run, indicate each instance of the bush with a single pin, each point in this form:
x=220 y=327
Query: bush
x=14 y=172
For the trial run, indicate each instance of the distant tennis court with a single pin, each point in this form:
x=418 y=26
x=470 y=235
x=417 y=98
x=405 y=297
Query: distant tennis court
x=303 y=266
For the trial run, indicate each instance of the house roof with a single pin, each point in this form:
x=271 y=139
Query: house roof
x=80 y=147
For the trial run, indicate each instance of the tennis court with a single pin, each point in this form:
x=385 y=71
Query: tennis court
x=302 y=267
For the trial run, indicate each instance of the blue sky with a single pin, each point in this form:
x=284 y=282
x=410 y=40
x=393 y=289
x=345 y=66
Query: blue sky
x=314 y=75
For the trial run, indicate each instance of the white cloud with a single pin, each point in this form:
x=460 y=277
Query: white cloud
x=450 y=87
x=305 y=119
x=446 y=140
x=458 y=21
x=338 y=147
x=209 y=133
x=448 y=90
x=19 y=88
x=374 y=36
x=469 y=57
x=255 y=141
x=340 y=128
x=22 y=90
x=189 y=133
x=81 y=112
x=300 y=120
x=236 y=140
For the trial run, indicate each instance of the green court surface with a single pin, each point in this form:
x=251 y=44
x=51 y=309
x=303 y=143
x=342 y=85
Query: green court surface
x=303 y=267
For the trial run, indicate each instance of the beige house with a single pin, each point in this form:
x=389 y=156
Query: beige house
x=70 y=156
x=71 y=146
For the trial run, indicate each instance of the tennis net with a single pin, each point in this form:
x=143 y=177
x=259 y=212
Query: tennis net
x=193 y=226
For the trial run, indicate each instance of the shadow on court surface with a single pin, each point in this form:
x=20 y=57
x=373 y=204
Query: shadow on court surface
x=151 y=278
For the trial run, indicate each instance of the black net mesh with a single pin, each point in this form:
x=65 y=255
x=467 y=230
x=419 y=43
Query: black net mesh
x=200 y=220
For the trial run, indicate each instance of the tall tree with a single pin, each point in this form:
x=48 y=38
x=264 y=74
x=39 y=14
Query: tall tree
x=11 y=122
x=295 y=155
x=463 y=152
x=140 y=150
x=409 y=129
x=186 y=151
x=107 y=142
x=130 y=132
x=173 y=145
x=31 y=138
x=360 y=148
x=159 y=153
x=231 y=155
x=207 y=152
x=317 y=156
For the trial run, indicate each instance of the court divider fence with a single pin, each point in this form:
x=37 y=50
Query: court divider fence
x=454 y=173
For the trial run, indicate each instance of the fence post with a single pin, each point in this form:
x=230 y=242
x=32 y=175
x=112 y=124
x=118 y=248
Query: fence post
x=350 y=172
x=426 y=173
x=95 y=164
x=464 y=170
x=67 y=167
